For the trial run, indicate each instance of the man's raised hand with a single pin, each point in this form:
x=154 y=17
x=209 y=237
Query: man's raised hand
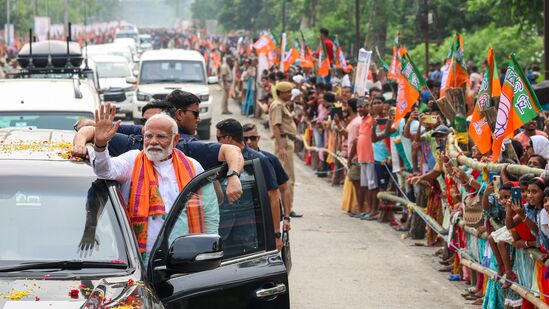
x=105 y=127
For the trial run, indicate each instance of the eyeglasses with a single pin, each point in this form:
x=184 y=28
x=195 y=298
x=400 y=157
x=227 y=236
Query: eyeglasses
x=162 y=137
x=252 y=138
x=195 y=113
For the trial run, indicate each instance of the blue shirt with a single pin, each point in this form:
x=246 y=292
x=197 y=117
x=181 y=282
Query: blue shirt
x=381 y=153
x=205 y=154
x=281 y=176
x=268 y=170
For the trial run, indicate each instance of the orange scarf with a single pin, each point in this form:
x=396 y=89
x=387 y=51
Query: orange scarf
x=145 y=199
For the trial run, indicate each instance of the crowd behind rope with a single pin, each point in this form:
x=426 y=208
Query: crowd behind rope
x=353 y=141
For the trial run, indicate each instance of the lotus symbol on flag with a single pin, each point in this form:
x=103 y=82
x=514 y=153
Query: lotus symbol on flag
x=503 y=115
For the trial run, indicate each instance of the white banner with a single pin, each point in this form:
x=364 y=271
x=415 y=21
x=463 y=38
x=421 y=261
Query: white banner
x=362 y=69
x=41 y=28
x=9 y=34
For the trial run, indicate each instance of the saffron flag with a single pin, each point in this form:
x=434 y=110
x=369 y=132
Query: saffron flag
x=479 y=129
x=518 y=104
x=340 y=61
x=410 y=83
x=323 y=61
x=264 y=44
x=291 y=57
x=454 y=72
x=306 y=57
x=394 y=68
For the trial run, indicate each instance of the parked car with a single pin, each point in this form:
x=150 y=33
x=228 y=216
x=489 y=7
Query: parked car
x=67 y=242
x=164 y=70
x=117 y=83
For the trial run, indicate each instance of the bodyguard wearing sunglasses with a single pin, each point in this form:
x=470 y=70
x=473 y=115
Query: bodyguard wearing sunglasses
x=251 y=139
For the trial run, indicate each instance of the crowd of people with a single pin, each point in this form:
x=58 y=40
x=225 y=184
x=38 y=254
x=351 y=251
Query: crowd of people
x=354 y=140
x=357 y=141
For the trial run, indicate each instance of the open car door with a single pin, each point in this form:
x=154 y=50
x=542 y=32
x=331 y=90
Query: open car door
x=237 y=266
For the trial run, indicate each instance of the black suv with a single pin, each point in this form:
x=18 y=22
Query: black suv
x=65 y=239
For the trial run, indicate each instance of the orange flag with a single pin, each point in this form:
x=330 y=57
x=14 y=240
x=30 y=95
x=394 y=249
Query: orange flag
x=410 y=83
x=480 y=131
x=454 y=72
x=518 y=104
x=323 y=61
x=394 y=69
x=291 y=58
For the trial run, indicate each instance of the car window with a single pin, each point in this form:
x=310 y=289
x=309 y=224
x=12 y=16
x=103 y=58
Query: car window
x=240 y=224
x=172 y=71
x=113 y=69
x=58 y=218
x=57 y=121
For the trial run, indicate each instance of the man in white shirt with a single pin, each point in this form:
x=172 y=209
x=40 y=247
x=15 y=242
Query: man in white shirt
x=151 y=179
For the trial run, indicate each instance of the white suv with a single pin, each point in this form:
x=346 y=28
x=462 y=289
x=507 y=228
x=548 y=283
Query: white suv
x=44 y=103
x=163 y=71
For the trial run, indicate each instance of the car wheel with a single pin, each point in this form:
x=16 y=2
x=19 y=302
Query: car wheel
x=204 y=134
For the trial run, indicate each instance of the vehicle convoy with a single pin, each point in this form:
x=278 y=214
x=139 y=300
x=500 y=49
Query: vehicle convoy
x=65 y=238
x=165 y=70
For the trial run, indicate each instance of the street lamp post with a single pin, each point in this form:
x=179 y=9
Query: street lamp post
x=7 y=29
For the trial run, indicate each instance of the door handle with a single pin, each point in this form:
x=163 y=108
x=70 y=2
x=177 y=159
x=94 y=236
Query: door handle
x=278 y=289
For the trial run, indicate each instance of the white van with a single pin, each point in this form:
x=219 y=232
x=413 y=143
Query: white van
x=165 y=70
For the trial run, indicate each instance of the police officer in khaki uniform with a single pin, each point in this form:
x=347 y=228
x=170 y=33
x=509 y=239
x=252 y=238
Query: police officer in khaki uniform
x=226 y=82
x=284 y=133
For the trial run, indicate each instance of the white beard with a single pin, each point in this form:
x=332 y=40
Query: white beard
x=157 y=156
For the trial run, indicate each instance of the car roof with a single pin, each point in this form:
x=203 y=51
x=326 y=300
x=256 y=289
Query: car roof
x=44 y=94
x=172 y=54
x=108 y=58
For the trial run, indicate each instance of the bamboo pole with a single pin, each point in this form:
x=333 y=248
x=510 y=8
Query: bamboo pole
x=515 y=287
x=534 y=254
x=516 y=169
x=415 y=208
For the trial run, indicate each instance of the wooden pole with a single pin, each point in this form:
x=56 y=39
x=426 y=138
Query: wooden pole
x=518 y=289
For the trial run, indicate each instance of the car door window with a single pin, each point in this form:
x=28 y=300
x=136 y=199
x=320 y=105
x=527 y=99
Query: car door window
x=240 y=224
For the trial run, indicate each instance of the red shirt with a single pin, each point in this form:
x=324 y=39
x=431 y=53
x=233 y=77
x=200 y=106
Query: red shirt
x=329 y=49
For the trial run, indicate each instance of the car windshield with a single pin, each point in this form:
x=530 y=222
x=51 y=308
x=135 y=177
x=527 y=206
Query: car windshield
x=171 y=71
x=48 y=218
x=42 y=120
x=145 y=39
x=112 y=69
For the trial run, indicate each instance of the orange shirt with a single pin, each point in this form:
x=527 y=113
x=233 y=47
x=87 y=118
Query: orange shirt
x=364 y=144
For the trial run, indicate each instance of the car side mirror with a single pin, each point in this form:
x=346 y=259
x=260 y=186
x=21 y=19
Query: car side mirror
x=131 y=80
x=194 y=253
x=213 y=80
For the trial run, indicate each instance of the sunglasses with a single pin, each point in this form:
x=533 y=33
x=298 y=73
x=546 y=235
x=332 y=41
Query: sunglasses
x=252 y=138
x=142 y=121
x=219 y=137
x=195 y=113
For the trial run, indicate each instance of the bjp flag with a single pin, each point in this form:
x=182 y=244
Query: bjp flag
x=410 y=83
x=454 y=72
x=518 y=105
x=323 y=61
